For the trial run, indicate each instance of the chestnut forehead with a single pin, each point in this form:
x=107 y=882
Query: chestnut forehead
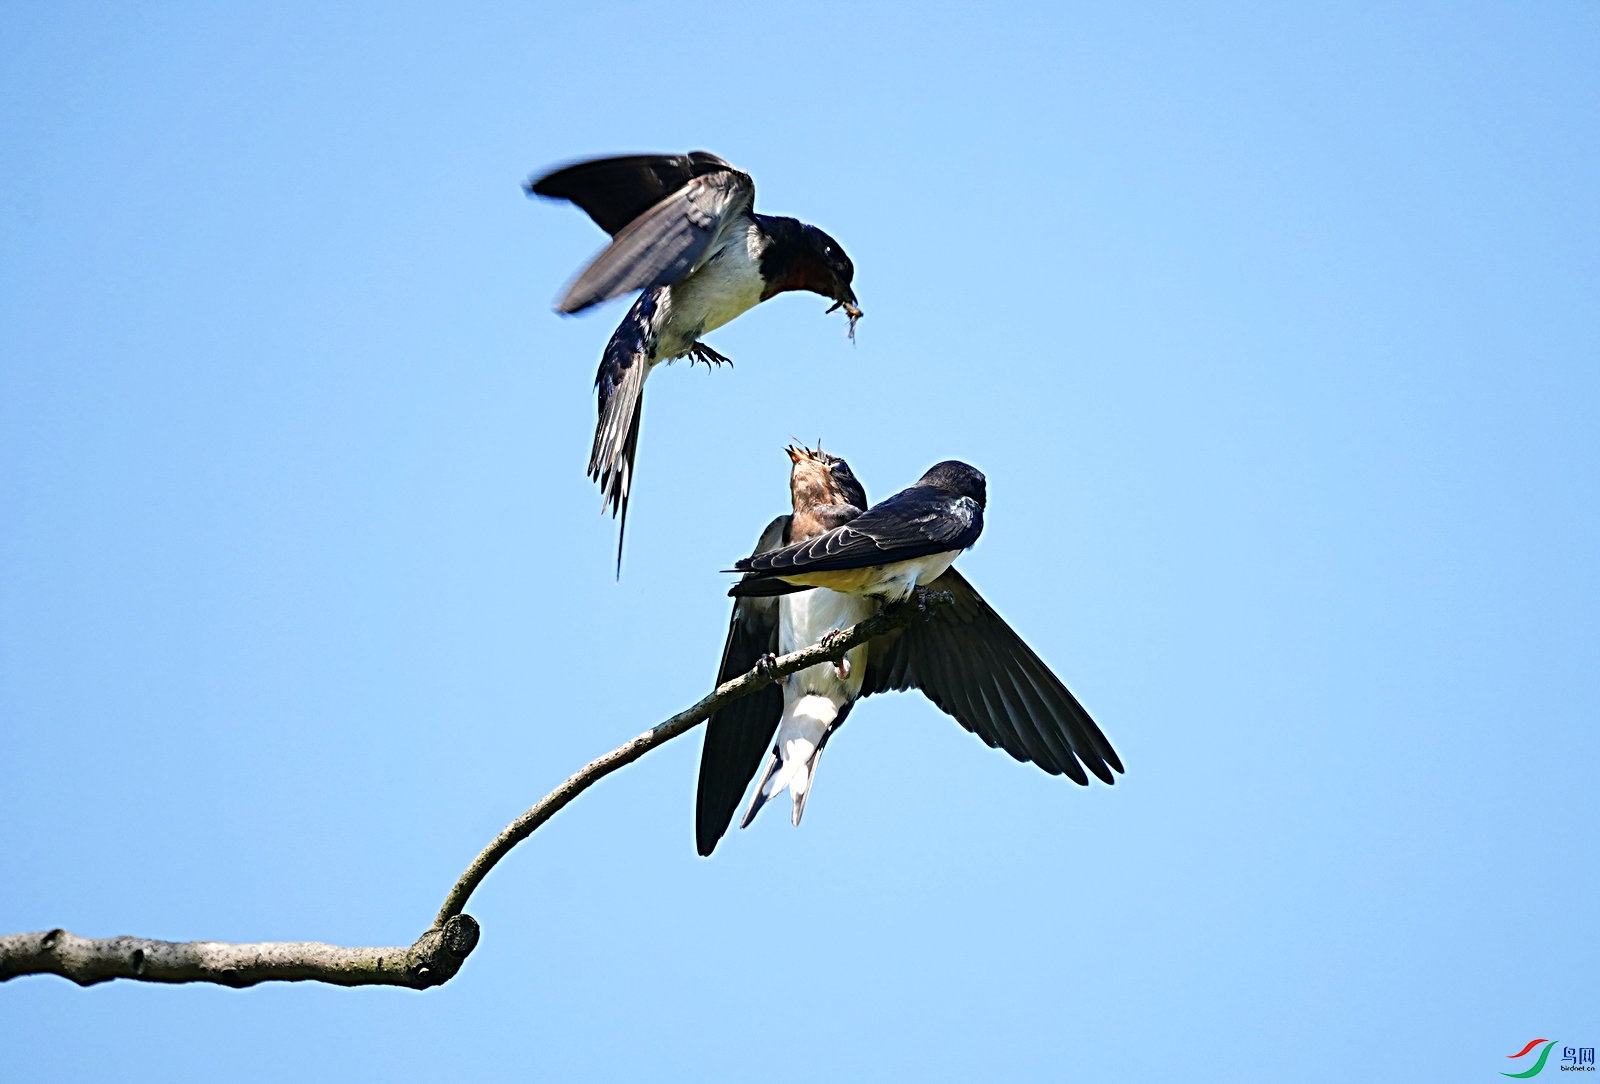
x=817 y=456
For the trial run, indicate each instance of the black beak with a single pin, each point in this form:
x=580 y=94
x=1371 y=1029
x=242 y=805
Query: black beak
x=845 y=298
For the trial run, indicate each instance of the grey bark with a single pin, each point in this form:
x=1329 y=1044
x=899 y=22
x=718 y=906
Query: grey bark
x=435 y=957
x=438 y=954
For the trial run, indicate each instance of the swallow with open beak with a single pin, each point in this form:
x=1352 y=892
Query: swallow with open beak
x=834 y=562
x=684 y=231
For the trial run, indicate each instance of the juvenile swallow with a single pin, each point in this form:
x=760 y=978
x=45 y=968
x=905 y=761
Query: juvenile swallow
x=684 y=231
x=835 y=562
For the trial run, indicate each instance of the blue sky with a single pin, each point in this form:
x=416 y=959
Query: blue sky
x=1275 y=332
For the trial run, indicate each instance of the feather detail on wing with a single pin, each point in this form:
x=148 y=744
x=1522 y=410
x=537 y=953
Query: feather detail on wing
x=615 y=191
x=665 y=243
x=739 y=735
x=915 y=522
x=973 y=666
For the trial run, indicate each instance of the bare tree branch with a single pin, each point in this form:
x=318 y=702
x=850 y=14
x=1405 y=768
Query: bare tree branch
x=438 y=954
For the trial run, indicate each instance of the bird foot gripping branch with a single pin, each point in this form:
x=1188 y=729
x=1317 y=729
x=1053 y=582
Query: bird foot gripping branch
x=836 y=562
x=841 y=665
x=436 y=956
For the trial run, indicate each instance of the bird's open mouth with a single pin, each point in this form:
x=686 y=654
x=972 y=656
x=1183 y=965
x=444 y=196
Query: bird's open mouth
x=851 y=310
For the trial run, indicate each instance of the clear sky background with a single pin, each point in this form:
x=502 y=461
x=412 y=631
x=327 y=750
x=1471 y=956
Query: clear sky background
x=1276 y=333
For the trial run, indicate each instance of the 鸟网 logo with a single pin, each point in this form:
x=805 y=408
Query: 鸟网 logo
x=1574 y=1059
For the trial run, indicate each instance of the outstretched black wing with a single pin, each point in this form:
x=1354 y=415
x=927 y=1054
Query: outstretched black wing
x=663 y=236
x=615 y=191
x=665 y=243
x=738 y=736
x=913 y=523
x=970 y=663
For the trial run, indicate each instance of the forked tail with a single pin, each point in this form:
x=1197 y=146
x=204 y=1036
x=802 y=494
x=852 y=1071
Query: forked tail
x=620 y=388
x=807 y=725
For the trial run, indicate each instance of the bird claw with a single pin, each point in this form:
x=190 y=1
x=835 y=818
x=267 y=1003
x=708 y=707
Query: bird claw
x=926 y=598
x=703 y=353
x=765 y=664
x=841 y=665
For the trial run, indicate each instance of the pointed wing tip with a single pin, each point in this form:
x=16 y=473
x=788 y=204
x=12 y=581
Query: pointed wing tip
x=1108 y=755
x=571 y=304
x=763 y=588
x=1105 y=766
x=538 y=186
x=706 y=833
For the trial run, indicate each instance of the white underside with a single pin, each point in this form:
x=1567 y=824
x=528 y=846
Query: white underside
x=812 y=698
x=727 y=284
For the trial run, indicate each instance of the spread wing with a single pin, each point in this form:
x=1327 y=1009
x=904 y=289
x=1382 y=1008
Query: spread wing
x=913 y=523
x=666 y=242
x=738 y=736
x=615 y=191
x=970 y=663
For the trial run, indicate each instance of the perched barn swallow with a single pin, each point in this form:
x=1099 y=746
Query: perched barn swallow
x=684 y=231
x=831 y=564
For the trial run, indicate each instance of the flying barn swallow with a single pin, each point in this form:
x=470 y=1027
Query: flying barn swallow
x=684 y=231
x=835 y=562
